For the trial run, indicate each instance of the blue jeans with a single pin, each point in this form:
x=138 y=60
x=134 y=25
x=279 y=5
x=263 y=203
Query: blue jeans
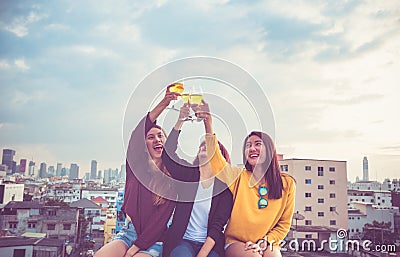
x=128 y=236
x=188 y=248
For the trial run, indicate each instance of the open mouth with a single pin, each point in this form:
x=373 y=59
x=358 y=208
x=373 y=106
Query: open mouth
x=158 y=148
x=253 y=156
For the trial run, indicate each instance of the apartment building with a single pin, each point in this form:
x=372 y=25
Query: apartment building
x=371 y=185
x=376 y=197
x=11 y=192
x=361 y=213
x=66 y=191
x=58 y=222
x=31 y=246
x=109 y=229
x=109 y=194
x=91 y=212
x=321 y=195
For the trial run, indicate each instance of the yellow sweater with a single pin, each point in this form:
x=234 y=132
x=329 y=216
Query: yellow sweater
x=248 y=222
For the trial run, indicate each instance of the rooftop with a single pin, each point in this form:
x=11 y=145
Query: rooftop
x=51 y=242
x=302 y=228
x=17 y=241
x=99 y=199
x=370 y=191
x=85 y=204
x=300 y=159
x=24 y=205
x=23 y=241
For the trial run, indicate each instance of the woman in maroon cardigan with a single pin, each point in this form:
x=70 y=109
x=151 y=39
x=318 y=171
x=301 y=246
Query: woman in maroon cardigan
x=147 y=203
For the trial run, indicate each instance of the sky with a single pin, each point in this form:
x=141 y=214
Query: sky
x=329 y=69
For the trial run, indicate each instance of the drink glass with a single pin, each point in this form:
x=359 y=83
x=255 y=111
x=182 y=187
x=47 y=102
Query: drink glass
x=177 y=88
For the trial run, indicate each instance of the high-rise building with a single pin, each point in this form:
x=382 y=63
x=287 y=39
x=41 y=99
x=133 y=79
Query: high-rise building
x=93 y=169
x=107 y=176
x=365 y=169
x=43 y=170
x=122 y=174
x=50 y=170
x=22 y=166
x=73 y=171
x=8 y=159
x=31 y=169
x=63 y=172
x=321 y=190
x=99 y=175
x=58 y=169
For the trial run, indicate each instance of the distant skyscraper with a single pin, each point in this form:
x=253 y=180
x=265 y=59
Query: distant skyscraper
x=22 y=166
x=114 y=174
x=73 y=171
x=99 y=175
x=63 y=172
x=58 y=170
x=8 y=159
x=365 y=169
x=50 y=170
x=93 y=169
x=122 y=174
x=107 y=176
x=31 y=169
x=42 y=170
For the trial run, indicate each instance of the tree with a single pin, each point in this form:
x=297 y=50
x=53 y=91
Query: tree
x=379 y=232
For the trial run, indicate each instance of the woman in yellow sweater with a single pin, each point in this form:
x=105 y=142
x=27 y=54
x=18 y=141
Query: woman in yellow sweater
x=263 y=195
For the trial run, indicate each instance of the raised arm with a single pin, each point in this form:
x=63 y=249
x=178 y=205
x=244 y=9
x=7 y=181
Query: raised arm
x=178 y=168
x=223 y=170
x=160 y=107
x=136 y=147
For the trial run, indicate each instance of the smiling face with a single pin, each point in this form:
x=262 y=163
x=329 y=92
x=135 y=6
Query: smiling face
x=155 y=142
x=255 y=151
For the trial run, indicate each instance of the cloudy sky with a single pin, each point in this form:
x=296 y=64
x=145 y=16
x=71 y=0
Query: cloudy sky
x=329 y=68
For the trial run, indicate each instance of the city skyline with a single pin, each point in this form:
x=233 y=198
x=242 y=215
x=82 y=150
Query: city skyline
x=93 y=163
x=329 y=69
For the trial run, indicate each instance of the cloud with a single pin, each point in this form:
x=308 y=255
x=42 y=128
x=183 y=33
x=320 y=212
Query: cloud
x=4 y=64
x=20 y=63
x=20 y=25
x=329 y=68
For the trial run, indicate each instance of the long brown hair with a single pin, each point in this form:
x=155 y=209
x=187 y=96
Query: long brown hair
x=158 y=183
x=272 y=170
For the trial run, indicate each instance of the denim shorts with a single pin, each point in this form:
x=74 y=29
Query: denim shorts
x=128 y=236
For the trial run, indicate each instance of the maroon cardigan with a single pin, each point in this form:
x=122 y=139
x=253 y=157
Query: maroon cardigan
x=150 y=221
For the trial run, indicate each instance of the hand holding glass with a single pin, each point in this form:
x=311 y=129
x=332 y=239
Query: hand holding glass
x=202 y=111
x=176 y=88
